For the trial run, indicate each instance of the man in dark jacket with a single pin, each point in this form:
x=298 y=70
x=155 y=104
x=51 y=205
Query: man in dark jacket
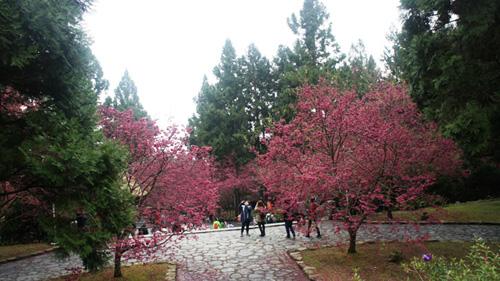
x=245 y=216
x=289 y=217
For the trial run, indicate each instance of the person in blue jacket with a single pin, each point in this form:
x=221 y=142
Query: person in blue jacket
x=245 y=216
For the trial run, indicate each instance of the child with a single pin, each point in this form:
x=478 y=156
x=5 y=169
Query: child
x=216 y=224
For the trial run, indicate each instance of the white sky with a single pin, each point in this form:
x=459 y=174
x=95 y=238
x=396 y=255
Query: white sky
x=167 y=46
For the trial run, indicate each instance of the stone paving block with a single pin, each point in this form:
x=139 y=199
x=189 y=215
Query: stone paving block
x=226 y=256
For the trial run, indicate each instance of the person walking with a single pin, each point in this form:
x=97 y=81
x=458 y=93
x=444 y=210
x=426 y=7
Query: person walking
x=245 y=216
x=260 y=217
x=313 y=216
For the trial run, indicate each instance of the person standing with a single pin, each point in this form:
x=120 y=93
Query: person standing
x=260 y=217
x=313 y=216
x=289 y=217
x=245 y=216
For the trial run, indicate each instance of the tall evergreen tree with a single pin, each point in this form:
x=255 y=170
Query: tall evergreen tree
x=52 y=152
x=259 y=91
x=250 y=91
x=316 y=45
x=231 y=115
x=126 y=97
x=221 y=120
x=392 y=59
x=314 y=55
x=359 y=73
x=447 y=52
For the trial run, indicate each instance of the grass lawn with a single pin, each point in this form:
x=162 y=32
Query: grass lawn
x=147 y=272
x=474 y=211
x=372 y=259
x=21 y=250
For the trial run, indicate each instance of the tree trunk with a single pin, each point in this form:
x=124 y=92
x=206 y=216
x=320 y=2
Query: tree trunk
x=118 y=262
x=352 y=241
x=389 y=214
x=237 y=196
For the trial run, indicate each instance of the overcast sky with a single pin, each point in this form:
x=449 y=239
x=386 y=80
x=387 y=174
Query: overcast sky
x=167 y=46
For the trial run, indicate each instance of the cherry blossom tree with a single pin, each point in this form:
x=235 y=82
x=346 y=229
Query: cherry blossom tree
x=173 y=184
x=236 y=182
x=354 y=155
x=413 y=149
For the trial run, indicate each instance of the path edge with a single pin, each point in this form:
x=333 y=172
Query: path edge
x=432 y=222
x=33 y=254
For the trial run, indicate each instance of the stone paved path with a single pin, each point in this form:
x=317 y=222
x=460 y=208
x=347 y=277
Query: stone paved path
x=225 y=255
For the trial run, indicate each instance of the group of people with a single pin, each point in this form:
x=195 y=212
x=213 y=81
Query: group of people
x=289 y=215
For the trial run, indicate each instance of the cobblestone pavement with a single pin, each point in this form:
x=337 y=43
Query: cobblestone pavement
x=225 y=255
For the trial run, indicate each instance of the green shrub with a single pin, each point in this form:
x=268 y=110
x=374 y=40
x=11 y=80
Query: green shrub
x=278 y=217
x=228 y=215
x=19 y=224
x=481 y=264
x=481 y=184
x=395 y=257
x=451 y=188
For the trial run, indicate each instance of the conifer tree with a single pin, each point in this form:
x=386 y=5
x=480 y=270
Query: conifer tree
x=126 y=97
x=359 y=73
x=259 y=91
x=221 y=120
x=54 y=157
x=315 y=55
x=447 y=51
